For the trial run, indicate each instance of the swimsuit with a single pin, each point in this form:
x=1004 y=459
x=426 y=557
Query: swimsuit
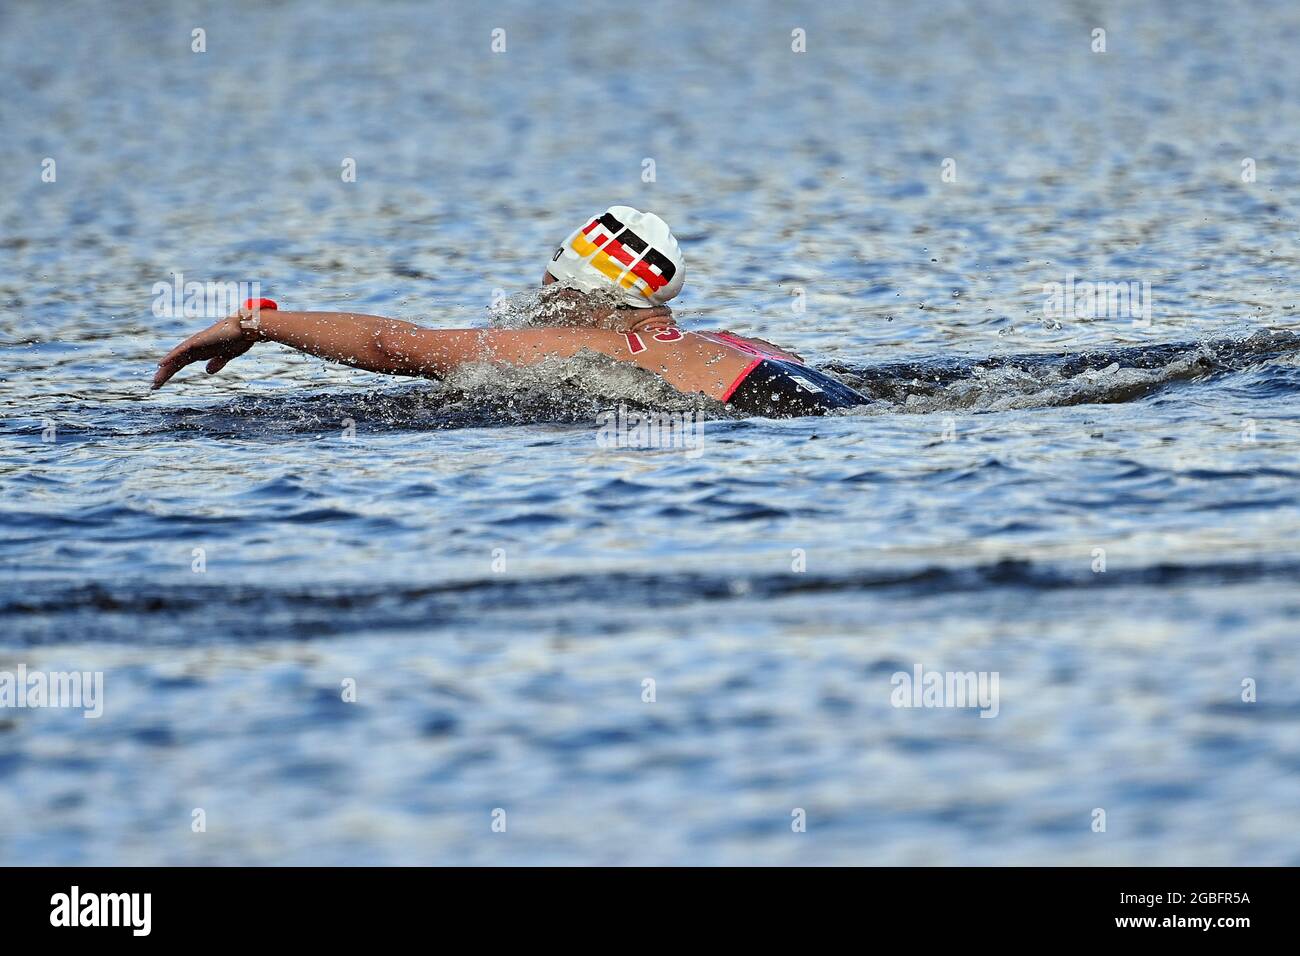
x=775 y=386
x=778 y=388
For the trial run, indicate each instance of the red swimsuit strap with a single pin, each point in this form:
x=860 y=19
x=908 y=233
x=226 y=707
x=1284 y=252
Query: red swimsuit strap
x=726 y=396
x=738 y=343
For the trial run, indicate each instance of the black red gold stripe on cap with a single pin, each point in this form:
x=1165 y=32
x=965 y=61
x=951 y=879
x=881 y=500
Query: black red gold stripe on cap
x=624 y=259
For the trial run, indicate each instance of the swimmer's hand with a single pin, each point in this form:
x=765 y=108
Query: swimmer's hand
x=654 y=319
x=219 y=343
x=776 y=350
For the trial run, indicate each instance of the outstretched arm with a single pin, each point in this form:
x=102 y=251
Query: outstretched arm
x=394 y=347
x=369 y=342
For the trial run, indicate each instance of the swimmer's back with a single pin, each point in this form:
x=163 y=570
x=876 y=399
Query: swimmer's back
x=751 y=375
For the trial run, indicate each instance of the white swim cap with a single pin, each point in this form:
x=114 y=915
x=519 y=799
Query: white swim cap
x=635 y=252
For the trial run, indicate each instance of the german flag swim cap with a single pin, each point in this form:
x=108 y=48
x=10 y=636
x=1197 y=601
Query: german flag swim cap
x=630 y=251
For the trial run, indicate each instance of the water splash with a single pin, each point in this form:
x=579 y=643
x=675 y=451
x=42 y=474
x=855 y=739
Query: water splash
x=1104 y=376
x=555 y=306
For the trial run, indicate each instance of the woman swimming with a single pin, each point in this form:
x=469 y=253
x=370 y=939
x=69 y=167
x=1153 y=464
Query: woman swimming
x=615 y=275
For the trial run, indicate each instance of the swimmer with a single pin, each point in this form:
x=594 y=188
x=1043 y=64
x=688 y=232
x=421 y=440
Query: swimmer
x=624 y=257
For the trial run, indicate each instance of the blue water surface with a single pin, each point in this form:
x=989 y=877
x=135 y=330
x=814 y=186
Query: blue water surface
x=648 y=656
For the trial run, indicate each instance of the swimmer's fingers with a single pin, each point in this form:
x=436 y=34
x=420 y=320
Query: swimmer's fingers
x=223 y=340
x=173 y=363
x=795 y=355
x=218 y=363
x=654 y=320
x=177 y=359
x=776 y=349
x=193 y=342
x=170 y=366
x=166 y=369
x=653 y=325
